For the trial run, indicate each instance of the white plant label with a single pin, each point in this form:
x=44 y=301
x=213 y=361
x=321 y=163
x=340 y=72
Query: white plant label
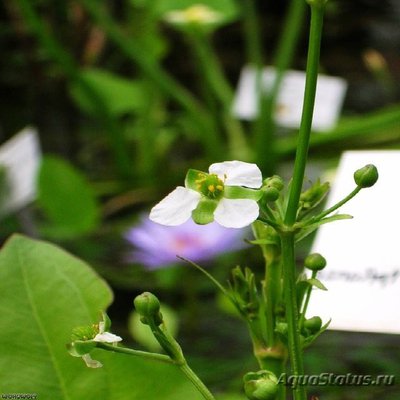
x=328 y=103
x=363 y=254
x=20 y=156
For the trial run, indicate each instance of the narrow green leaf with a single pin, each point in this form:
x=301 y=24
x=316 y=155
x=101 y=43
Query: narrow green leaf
x=312 y=226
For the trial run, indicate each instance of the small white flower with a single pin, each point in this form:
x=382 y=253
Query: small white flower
x=226 y=194
x=85 y=338
x=103 y=336
x=196 y=14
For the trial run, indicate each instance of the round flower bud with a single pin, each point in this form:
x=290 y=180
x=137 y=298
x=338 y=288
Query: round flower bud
x=274 y=181
x=313 y=324
x=315 y=262
x=270 y=193
x=148 y=306
x=367 y=176
x=261 y=385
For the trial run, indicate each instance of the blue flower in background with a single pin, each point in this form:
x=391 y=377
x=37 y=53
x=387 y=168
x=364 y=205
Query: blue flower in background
x=157 y=246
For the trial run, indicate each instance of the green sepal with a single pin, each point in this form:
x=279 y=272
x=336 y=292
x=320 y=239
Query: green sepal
x=192 y=176
x=204 y=212
x=317 y=283
x=79 y=348
x=238 y=192
x=105 y=319
x=310 y=339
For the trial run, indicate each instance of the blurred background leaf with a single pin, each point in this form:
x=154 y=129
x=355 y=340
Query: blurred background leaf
x=120 y=95
x=66 y=198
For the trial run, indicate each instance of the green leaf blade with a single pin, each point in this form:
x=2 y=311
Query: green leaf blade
x=40 y=305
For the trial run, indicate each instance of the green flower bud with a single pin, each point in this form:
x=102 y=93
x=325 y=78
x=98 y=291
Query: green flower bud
x=313 y=324
x=148 y=306
x=366 y=176
x=315 y=262
x=270 y=193
x=274 y=181
x=261 y=385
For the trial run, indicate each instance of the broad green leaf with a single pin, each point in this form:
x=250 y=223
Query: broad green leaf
x=120 y=95
x=45 y=293
x=66 y=199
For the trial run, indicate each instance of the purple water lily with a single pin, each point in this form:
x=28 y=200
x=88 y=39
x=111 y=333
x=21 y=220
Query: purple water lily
x=157 y=246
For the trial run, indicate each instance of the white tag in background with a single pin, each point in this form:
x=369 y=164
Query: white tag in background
x=328 y=102
x=363 y=254
x=21 y=157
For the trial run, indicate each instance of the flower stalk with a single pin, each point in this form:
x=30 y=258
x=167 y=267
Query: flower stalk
x=288 y=235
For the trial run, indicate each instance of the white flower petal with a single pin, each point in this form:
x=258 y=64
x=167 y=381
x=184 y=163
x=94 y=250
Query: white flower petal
x=238 y=173
x=176 y=208
x=107 y=337
x=236 y=213
x=90 y=362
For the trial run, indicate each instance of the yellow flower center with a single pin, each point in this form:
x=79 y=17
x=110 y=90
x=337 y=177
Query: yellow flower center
x=210 y=185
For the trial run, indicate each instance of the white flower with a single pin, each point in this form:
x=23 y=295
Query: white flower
x=226 y=194
x=85 y=338
x=196 y=14
x=106 y=337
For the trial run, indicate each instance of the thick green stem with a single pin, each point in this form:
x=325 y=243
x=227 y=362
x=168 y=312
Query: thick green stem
x=317 y=14
x=292 y=316
x=287 y=237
